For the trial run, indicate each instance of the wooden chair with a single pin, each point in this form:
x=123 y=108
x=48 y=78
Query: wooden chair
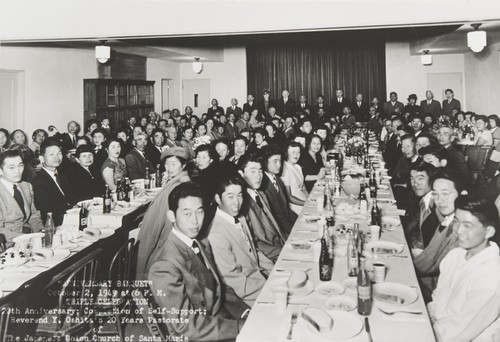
x=121 y=273
x=5 y=312
x=75 y=315
x=477 y=156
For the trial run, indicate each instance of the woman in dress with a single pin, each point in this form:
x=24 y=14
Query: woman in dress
x=114 y=167
x=483 y=136
x=90 y=126
x=312 y=162
x=293 y=178
x=211 y=130
x=187 y=140
x=4 y=140
x=494 y=161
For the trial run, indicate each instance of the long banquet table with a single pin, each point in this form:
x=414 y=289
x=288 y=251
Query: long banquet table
x=266 y=323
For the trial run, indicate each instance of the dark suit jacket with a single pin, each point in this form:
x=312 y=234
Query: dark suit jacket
x=434 y=108
x=48 y=197
x=392 y=152
x=180 y=280
x=237 y=111
x=12 y=220
x=412 y=109
x=285 y=109
x=360 y=112
x=348 y=120
x=262 y=108
x=448 y=107
x=326 y=108
x=136 y=165
x=231 y=131
x=298 y=108
x=267 y=234
x=211 y=111
x=66 y=142
x=337 y=107
x=457 y=163
x=242 y=124
x=84 y=185
x=249 y=108
x=279 y=204
x=389 y=108
x=154 y=155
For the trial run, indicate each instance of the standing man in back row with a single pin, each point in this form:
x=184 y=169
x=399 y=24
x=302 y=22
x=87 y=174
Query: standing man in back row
x=450 y=103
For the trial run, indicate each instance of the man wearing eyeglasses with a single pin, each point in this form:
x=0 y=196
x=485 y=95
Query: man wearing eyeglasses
x=446 y=188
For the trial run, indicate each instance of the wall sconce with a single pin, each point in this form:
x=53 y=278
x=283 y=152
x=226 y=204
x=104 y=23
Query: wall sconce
x=476 y=40
x=197 y=65
x=102 y=52
x=426 y=59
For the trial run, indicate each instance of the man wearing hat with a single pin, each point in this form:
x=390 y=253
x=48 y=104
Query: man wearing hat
x=430 y=106
x=265 y=103
x=155 y=226
x=83 y=182
x=412 y=108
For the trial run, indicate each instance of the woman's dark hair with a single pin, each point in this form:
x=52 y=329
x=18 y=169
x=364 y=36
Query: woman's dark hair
x=7 y=135
x=100 y=130
x=483 y=118
x=261 y=131
x=310 y=138
x=273 y=126
x=206 y=147
x=85 y=138
x=267 y=152
x=242 y=138
x=89 y=123
x=292 y=144
x=108 y=142
x=39 y=130
x=494 y=117
x=304 y=120
x=199 y=125
x=19 y=130
x=222 y=141
x=483 y=209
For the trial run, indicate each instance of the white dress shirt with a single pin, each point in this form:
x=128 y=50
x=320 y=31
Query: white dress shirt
x=467 y=298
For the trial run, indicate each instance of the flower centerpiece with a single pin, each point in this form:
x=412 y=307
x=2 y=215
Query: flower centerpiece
x=356 y=144
x=203 y=140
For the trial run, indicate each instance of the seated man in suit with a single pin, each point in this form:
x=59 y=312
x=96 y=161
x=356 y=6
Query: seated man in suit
x=401 y=174
x=274 y=189
x=446 y=188
x=242 y=266
x=184 y=278
x=267 y=233
x=84 y=183
x=172 y=137
x=68 y=140
x=18 y=214
x=456 y=159
x=466 y=302
x=52 y=190
x=136 y=159
x=155 y=147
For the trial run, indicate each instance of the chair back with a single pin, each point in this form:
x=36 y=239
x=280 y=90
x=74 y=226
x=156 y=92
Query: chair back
x=5 y=312
x=121 y=270
x=3 y=244
x=477 y=156
x=76 y=300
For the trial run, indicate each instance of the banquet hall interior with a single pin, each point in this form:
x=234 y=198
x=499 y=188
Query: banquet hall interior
x=90 y=75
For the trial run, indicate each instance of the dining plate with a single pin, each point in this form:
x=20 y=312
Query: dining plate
x=384 y=247
x=394 y=294
x=59 y=254
x=383 y=187
x=392 y=222
x=104 y=234
x=350 y=284
x=69 y=246
x=73 y=211
x=386 y=200
x=296 y=293
x=329 y=288
x=344 y=303
x=346 y=325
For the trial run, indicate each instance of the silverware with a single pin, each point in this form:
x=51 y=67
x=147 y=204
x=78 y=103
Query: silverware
x=401 y=311
x=292 y=323
x=367 y=328
x=290 y=270
x=293 y=260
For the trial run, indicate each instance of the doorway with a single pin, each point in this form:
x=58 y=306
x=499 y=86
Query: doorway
x=196 y=94
x=12 y=99
x=439 y=82
x=165 y=93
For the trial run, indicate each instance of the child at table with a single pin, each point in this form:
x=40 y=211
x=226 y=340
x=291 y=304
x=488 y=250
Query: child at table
x=466 y=302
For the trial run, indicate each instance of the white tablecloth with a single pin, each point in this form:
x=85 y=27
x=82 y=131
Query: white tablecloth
x=265 y=323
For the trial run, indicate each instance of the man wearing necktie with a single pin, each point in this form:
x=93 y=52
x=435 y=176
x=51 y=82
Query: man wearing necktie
x=237 y=111
x=136 y=159
x=242 y=266
x=184 y=278
x=267 y=233
x=430 y=106
x=53 y=193
x=445 y=189
x=274 y=189
x=18 y=214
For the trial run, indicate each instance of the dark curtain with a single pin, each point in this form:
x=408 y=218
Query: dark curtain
x=318 y=68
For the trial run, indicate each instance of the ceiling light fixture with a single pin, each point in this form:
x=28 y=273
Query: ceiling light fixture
x=102 y=52
x=197 y=65
x=476 y=40
x=426 y=59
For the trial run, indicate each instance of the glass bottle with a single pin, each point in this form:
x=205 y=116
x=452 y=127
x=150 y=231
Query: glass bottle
x=373 y=185
x=375 y=213
x=83 y=217
x=120 y=196
x=147 y=179
x=129 y=189
x=158 y=177
x=49 y=230
x=106 y=200
x=325 y=262
x=363 y=203
x=364 y=290
x=352 y=257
